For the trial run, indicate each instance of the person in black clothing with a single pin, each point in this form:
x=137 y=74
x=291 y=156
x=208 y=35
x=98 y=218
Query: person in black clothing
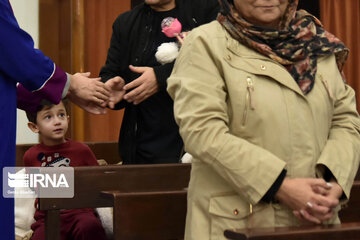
x=148 y=133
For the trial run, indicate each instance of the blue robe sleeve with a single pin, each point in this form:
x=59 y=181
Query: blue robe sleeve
x=21 y=62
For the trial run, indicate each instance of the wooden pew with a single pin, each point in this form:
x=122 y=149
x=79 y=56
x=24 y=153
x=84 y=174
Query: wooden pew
x=150 y=203
x=149 y=200
x=348 y=230
x=345 y=231
x=102 y=150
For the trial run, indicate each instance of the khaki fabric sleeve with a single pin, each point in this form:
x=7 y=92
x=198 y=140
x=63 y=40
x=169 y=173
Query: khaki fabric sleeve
x=342 y=151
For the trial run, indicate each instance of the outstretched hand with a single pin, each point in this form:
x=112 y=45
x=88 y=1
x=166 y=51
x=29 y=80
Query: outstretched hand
x=143 y=87
x=88 y=93
x=117 y=92
x=311 y=199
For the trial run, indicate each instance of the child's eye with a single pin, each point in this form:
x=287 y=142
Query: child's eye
x=62 y=115
x=47 y=117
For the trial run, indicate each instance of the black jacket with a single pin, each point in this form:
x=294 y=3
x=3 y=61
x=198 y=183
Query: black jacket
x=149 y=133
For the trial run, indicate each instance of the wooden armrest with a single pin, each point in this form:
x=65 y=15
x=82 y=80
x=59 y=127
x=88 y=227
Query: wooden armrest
x=346 y=231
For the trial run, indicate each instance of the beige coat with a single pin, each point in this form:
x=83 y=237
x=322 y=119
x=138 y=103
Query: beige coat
x=244 y=119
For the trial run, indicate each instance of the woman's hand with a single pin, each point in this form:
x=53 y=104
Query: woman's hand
x=334 y=192
x=306 y=197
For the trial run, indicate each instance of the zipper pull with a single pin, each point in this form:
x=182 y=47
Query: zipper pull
x=251 y=89
x=326 y=85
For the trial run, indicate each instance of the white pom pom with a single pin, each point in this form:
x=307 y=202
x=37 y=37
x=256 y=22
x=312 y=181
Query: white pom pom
x=187 y=158
x=167 y=52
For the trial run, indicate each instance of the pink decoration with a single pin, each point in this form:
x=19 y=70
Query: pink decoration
x=171 y=26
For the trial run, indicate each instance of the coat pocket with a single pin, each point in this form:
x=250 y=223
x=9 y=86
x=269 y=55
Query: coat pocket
x=227 y=212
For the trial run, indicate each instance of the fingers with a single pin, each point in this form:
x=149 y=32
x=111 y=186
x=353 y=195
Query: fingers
x=115 y=83
x=142 y=87
x=136 y=96
x=179 y=38
x=318 y=182
x=139 y=93
x=297 y=214
x=96 y=110
x=137 y=87
x=327 y=201
x=309 y=217
x=111 y=104
x=101 y=91
x=134 y=84
x=320 y=212
x=137 y=69
x=320 y=190
x=320 y=186
x=316 y=209
x=89 y=106
x=116 y=86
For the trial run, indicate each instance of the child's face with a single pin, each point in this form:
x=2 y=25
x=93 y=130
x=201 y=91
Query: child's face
x=52 y=124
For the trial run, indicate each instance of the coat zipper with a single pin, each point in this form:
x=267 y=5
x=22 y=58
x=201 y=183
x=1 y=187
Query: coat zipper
x=249 y=98
x=326 y=85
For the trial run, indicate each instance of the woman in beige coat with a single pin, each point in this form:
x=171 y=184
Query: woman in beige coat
x=263 y=108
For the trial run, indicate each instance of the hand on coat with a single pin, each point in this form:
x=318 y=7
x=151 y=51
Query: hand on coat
x=143 y=87
x=310 y=198
x=88 y=93
x=335 y=192
x=117 y=92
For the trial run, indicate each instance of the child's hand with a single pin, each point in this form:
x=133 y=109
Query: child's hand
x=181 y=36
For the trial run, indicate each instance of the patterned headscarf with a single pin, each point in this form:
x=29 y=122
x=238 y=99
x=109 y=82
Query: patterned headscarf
x=296 y=44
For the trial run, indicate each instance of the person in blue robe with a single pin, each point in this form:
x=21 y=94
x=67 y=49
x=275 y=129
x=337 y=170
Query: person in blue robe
x=27 y=77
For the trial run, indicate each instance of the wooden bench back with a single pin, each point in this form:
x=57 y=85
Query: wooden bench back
x=149 y=215
x=150 y=203
x=347 y=231
x=145 y=198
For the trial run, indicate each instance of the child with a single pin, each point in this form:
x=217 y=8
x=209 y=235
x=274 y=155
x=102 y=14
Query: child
x=51 y=123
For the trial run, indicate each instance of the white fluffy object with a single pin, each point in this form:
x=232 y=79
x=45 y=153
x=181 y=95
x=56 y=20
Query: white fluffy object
x=24 y=212
x=167 y=52
x=187 y=158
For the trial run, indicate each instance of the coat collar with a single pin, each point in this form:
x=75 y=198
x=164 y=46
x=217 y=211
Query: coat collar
x=242 y=57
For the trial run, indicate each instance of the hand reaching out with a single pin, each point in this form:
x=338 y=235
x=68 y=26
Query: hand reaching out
x=88 y=93
x=117 y=90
